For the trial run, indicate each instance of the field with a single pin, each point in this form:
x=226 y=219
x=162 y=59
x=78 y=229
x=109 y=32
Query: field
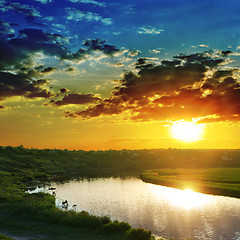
x=218 y=181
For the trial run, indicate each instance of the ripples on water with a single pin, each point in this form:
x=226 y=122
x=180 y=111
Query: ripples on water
x=167 y=212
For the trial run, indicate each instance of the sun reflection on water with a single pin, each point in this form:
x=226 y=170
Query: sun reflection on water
x=186 y=199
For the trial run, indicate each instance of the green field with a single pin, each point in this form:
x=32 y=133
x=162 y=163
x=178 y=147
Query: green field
x=217 y=181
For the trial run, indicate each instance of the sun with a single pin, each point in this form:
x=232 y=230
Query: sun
x=187 y=131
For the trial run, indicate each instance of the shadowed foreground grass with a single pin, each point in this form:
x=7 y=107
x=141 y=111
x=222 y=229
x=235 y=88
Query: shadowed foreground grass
x=217 y=181
x=64 y=224
x=2 y=237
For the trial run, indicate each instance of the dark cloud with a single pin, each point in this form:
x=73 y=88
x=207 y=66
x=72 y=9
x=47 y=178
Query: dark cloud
x=99 y=45
x=18 y=52
x=75 y=99
x=2 y=107
x=63 y=90
x=6 y=29
x=19 y=85
x=28 y=11
x=174 y=90
x=48 y=70
x=19 y=74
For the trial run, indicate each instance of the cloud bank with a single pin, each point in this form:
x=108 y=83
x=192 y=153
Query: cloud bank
x=189 y=86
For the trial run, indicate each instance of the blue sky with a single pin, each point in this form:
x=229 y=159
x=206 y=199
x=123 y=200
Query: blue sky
x=131 y=60
x=172 y=25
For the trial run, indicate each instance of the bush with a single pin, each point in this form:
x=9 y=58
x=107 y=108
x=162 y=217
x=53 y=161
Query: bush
x=138 y=234
x=116 y=227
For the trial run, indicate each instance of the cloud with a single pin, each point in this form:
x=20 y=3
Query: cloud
x=6 y=29
x=100 y=45
x=44 y=1
x=149 y=30
x=20 y=85
x=200 y=46
x=128 y=9
x=77 y=15
x=173 y=90
x=21 y=74
x=91 y=46
x=96 y=3
x=155 y=51
x=74 y=98
x=29 y=11
x=134 y=53
x=18 y=52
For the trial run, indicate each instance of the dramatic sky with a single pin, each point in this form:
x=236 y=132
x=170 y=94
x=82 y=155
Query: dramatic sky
x=89 y=74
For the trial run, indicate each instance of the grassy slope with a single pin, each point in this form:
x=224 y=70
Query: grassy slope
x=219 y=181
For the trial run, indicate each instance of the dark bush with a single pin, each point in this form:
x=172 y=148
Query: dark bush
x=138 y=234
x=116 y=227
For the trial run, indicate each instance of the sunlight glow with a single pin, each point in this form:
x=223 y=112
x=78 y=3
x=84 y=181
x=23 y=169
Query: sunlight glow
x=186 y=199
x=187 y=131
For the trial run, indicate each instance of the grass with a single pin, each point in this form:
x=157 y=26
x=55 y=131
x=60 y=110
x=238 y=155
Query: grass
x=41 y=207
x=26 y=227
x=2 y=237
x=217 y=181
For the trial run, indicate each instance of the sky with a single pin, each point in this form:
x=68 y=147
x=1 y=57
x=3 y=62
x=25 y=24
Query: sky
x=96 y=75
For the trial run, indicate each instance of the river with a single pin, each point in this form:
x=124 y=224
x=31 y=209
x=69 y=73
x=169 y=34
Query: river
x=167 y=212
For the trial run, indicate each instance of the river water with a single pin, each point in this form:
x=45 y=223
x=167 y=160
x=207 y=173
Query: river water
x=167 y=212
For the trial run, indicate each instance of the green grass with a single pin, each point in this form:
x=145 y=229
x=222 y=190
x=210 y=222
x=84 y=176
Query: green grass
x=219 y=181
x=2 y=237
x=26 y=227
x=41 y=207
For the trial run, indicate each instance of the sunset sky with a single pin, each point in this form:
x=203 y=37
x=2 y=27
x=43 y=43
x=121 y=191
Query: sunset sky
x=88 y=74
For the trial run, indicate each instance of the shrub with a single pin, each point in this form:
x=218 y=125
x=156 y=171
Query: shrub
x=116 y=227
x=138 y=234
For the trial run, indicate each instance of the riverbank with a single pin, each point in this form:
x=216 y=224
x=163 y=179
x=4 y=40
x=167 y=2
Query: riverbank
x=216 y=181
x=36 y=217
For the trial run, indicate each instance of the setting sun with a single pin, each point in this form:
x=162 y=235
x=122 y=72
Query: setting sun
x=187 y=131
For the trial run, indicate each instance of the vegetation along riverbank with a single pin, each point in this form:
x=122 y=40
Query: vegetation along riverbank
x=36 y=216
x=218 y=181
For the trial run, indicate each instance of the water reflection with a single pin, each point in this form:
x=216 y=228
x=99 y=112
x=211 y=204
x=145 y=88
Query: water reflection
x=167 y=212
x=187 y=199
